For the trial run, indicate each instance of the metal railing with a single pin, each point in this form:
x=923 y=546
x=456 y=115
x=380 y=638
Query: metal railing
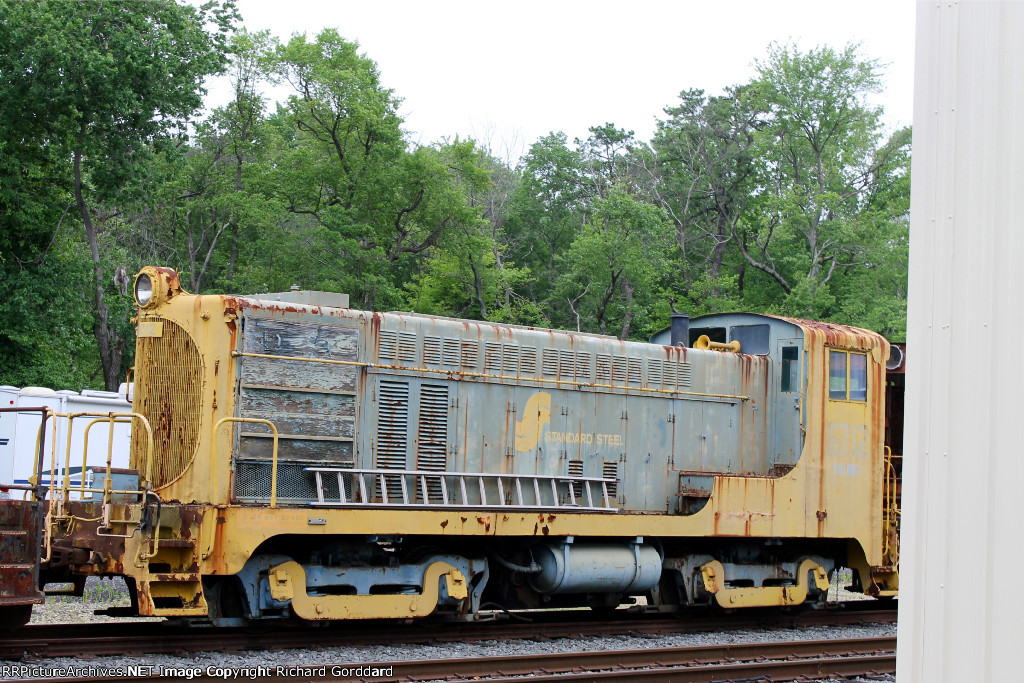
x=890 y=504
x=462 y=490
x=273 y=458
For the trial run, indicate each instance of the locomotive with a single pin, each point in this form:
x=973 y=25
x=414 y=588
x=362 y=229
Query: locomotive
x=296 y=458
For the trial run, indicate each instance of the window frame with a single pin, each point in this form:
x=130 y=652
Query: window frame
x=848 y=354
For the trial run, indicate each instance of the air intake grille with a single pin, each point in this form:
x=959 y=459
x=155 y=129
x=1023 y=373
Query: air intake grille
x=168 y=392
x=253 y=480
x=432 y=454
x=393 y=431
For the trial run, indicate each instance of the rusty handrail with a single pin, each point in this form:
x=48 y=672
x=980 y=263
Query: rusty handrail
x=890 y=508
x=273 y=460
x=110 y=446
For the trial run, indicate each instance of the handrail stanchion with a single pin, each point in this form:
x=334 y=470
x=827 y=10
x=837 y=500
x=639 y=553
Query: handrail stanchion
x=273 y=457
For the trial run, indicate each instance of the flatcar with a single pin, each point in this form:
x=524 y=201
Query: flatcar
x=293 y=458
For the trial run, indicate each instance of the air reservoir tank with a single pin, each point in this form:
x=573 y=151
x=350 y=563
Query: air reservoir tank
x=595 y=567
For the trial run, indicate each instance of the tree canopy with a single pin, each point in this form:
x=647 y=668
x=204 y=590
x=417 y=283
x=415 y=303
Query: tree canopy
x=783 y=194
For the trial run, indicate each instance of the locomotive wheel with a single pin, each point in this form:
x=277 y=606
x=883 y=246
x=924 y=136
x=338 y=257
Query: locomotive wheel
x=14 y=616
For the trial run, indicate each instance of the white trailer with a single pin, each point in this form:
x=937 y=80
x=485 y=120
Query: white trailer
x=19 y=432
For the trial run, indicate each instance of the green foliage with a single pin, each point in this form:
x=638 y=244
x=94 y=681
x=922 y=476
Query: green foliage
x=779 y=195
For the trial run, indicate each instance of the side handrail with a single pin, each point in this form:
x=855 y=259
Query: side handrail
x=890 y=510
x=45 y=412
x=144 y=486
x=273 y=457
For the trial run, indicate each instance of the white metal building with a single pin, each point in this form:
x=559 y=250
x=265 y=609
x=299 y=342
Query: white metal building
x=961 y=601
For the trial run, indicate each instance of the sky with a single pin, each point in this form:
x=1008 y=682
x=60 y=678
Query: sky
x=508 y=73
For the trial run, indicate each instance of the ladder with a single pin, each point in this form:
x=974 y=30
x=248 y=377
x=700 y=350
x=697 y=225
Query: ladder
x=422 y=489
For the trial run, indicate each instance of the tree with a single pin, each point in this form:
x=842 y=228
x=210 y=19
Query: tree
x=819 y=157
x=102 y=82
x=701 y=175
x=612 y=272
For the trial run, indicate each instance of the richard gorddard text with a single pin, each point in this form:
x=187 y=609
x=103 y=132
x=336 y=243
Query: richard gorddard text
x=190 y=672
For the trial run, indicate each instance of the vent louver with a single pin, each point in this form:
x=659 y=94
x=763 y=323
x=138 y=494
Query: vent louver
x=393 y=431
x=432 y=436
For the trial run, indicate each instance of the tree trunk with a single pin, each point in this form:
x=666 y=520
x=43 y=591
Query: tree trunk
x=110 y=347
x=628 y=290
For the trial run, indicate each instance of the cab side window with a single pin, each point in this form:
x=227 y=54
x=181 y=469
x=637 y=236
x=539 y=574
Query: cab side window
x=790 y=368
x=847 y=376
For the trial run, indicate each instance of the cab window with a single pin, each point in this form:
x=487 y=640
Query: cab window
x=790 y=368
x=847 y=376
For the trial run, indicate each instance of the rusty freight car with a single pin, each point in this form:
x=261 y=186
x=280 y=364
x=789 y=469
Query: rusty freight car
x=298 y=458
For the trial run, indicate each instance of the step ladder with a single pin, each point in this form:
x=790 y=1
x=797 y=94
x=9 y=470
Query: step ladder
x=171 y=584
x=422 y=489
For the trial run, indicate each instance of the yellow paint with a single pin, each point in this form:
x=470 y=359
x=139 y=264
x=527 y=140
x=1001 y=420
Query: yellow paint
x=288 y=583
x=536 y=414
x=764 y=596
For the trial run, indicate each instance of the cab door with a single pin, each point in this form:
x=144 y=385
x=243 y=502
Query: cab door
x=788 y=428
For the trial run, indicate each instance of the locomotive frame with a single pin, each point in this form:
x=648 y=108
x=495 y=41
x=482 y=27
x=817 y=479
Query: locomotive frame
x=309 y=460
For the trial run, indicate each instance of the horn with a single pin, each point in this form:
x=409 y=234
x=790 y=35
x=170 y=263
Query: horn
x=704 y=343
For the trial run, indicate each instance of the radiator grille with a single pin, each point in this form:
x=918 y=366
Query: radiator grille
x=168 y=392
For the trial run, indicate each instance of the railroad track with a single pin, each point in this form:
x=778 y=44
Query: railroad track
x=137 y=639
x=781 y=661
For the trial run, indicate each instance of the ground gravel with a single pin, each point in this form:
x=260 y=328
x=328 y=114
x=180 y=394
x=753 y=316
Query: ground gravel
x=113 y=593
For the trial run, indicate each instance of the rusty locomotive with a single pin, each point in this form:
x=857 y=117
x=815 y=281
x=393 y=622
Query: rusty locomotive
x=295 y=458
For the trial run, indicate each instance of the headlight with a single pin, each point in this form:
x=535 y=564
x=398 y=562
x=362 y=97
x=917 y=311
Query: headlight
x=143 y=289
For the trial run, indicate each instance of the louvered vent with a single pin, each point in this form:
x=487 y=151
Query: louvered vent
x=431 y=350
x=604 y=367
x=528 y=361
x=393 y=431
x=388 y=352
x=168 y=392
x=635 y=370
x=510 y=359
x=407 y=347
x=576 y=470
x=610 y=470
x=492 y=358
x=654 y=374
x=470 y=350
x=685 y=370
x=671 y=374
x=432 y=446
x=582 y=366
x=549 y=361
x=566 y=364
x=451 y=353
x=619 y=370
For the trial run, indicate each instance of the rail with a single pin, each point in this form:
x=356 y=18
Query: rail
x=451 y=490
